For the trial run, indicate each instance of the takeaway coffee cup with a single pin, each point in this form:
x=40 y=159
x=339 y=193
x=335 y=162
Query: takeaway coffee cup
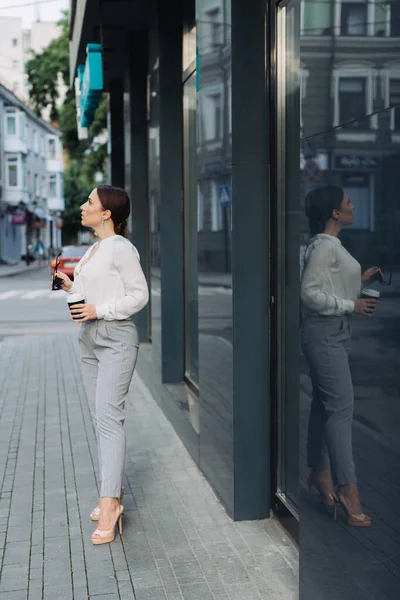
x=75 y=299
x=371 y=294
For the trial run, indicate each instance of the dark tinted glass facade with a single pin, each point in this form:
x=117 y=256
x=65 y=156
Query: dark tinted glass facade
x=337 y=107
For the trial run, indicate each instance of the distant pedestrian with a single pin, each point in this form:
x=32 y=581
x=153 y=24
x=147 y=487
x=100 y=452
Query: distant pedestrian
x=110 y=278
x=39 y=251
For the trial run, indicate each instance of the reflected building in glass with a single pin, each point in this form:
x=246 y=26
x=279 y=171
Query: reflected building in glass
x=349 y=94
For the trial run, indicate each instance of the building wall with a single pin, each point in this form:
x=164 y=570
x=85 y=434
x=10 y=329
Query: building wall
x=16 y=46
x=12 y=55
x=31 y=179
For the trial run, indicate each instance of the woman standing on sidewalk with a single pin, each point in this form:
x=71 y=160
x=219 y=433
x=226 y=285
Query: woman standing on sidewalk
x=330 y=290
x=111 y=280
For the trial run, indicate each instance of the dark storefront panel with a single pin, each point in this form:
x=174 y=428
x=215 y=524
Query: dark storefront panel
x=349 y=138
x=214 y=195
x=287 y=221
x=153 y=100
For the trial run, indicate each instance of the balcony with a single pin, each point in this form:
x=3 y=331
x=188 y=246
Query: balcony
x=54 y=165
x=15 y=145
x=55 y=204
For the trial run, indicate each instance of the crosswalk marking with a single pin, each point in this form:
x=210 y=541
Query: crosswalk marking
x=6 y=295
x=34 y=294
x=57 y=295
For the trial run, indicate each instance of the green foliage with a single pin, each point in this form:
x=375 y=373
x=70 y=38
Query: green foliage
x=43 y=70
x=85 y=158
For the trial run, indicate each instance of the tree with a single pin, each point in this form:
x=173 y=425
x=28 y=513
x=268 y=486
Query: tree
x=85 y=158
x=43 y=71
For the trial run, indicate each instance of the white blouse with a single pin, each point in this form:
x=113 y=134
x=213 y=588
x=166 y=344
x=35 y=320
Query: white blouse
x=112 y=279
x=331 y=279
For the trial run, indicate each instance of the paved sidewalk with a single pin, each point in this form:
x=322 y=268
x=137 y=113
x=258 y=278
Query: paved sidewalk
x=178 y=543
x=20 y=268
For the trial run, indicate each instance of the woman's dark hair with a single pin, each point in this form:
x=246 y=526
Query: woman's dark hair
x=319 y=205
x=117 y=201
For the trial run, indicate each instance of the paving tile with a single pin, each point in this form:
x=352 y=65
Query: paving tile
x=146 y=579
x=61 y=592
x=126 y=590
x=150 y=594
x=178 y=542
x=188 y=573
x=21 y=595
x=16 y=553
x=13 y=578
x=196 y=592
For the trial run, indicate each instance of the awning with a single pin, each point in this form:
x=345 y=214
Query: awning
x=40 y=214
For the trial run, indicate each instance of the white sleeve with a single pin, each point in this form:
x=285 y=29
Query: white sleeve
x=136 y=295
x=316 y=286
x=77 y=287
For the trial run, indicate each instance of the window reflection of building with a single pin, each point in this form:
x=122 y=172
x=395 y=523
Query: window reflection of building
x=348 y=84
x=350 y=113
x=214 y=134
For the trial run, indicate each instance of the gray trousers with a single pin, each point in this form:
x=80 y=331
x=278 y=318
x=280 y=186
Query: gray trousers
x=109 y=352
x=326 y=346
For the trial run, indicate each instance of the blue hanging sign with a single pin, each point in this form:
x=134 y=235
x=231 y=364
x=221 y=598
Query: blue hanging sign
x=90 y=83
x=224 y=195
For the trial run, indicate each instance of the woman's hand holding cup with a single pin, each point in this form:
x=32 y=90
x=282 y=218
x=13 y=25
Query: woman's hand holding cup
x=366 y=305
x=67 y=283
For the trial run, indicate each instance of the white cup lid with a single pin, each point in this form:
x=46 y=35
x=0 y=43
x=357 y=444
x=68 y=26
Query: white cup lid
x=75 y=298
x=371 y=293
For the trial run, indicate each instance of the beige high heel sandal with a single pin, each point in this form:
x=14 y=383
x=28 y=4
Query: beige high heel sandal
x=108 y=536
x=95 y=514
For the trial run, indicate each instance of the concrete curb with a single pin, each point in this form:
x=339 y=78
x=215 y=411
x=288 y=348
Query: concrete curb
x=10 y=272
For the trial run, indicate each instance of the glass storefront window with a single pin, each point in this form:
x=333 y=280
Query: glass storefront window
x=337 y=218
x=190 y=231
x=214 y=243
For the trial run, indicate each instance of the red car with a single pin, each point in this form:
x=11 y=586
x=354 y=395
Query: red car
x=69 y=258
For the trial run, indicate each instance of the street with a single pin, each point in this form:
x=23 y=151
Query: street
x=178 y=543
x=28 y=306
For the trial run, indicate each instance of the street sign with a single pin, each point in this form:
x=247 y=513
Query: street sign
x=312 y=172
x=90 y=83
x=224 y=195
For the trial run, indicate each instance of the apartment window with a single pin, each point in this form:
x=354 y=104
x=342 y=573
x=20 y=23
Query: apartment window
x=36 y=184
x=394 y=100
x=44 y=187
x=358 y=187
x=352 y=100
x=52 y=186
x=52 y=149
x=214 y=23
x=11 y=119
x=15 y=65
x=28 y=181
x=24 y=174
x=394 y=8
x=354 y=18
x=212 y=116
x=14 y=42
x=27 y=134
x=216 y=209
x=12 y=171
x=35 y=142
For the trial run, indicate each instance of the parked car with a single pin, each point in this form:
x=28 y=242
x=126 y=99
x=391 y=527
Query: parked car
x=69 y=258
